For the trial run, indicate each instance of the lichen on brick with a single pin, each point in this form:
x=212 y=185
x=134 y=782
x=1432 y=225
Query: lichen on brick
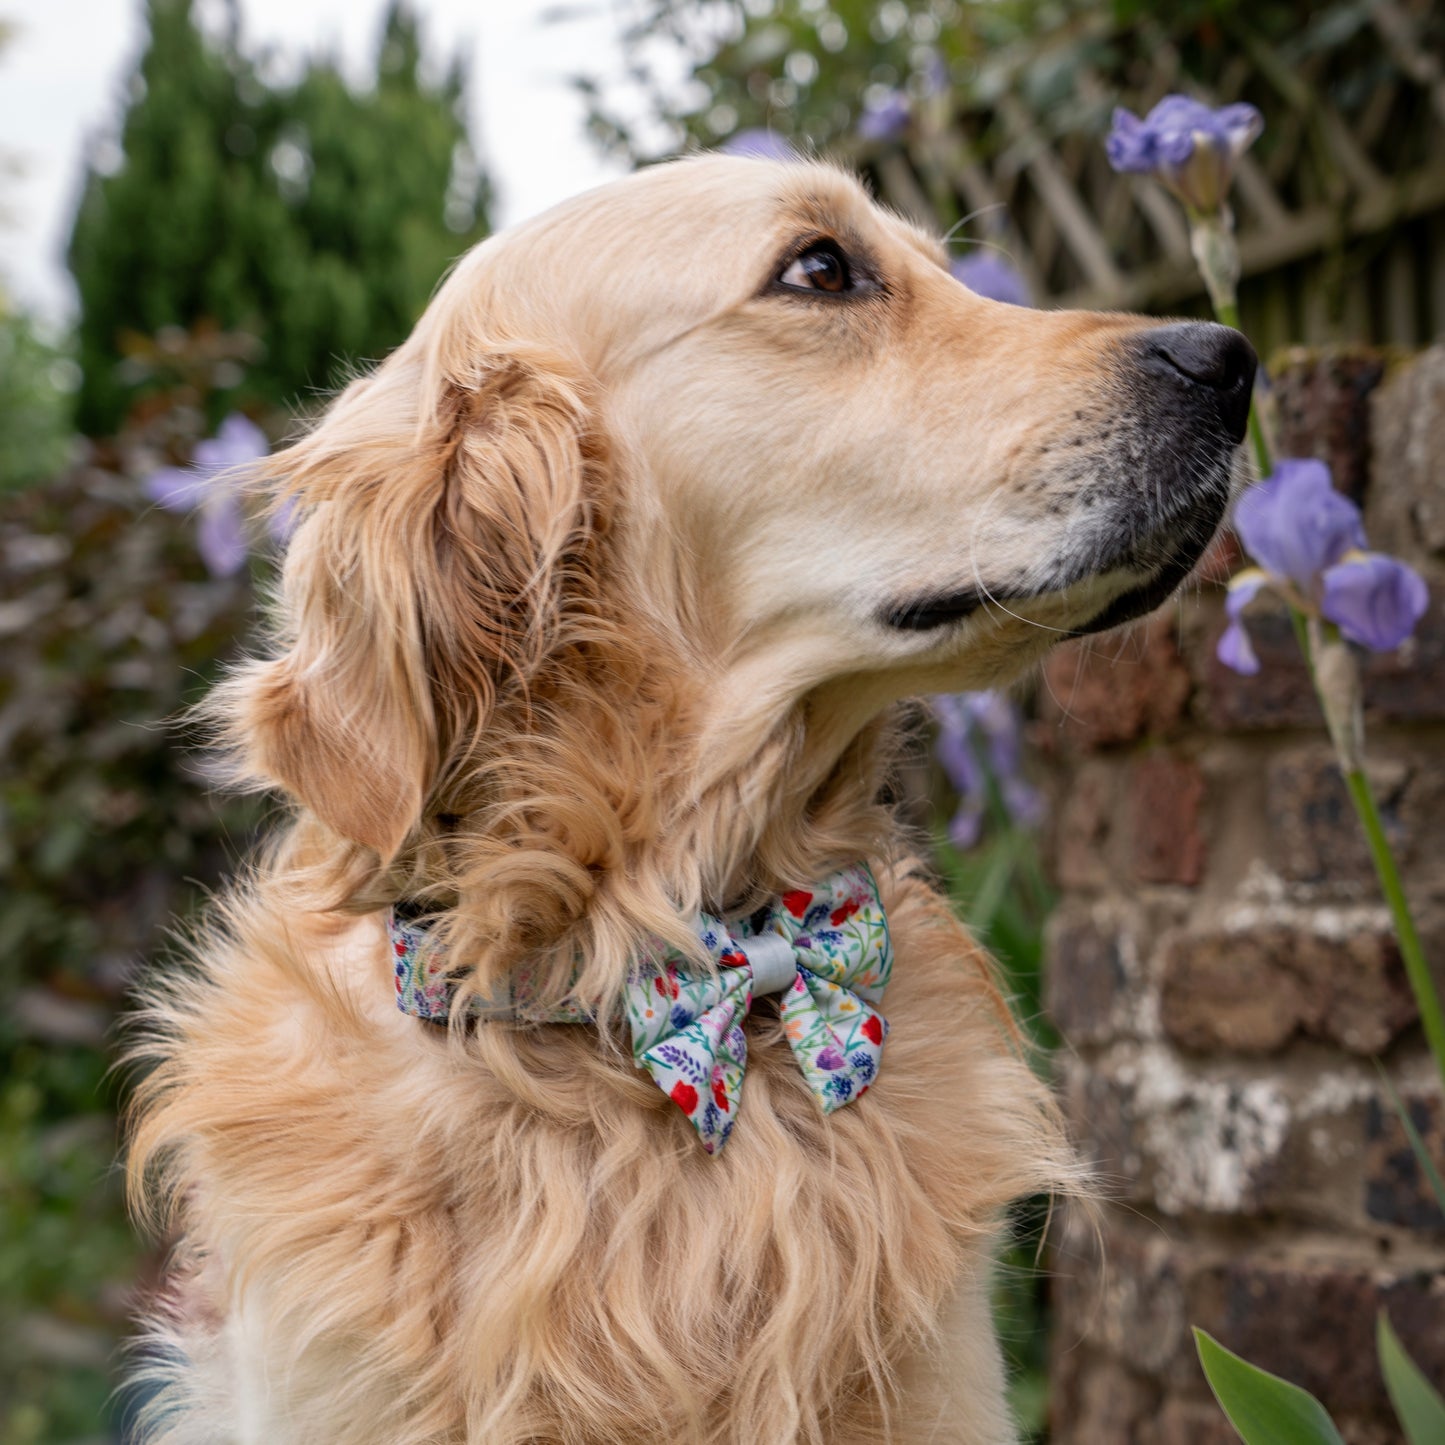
x=1205 y=1137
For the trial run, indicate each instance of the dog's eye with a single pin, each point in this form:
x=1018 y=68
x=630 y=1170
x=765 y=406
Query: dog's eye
x=822 y=267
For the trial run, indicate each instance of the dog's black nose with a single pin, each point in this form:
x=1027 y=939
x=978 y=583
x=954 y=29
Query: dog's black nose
x=1215 y=360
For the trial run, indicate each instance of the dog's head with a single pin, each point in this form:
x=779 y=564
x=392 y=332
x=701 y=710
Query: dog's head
x=728 y=440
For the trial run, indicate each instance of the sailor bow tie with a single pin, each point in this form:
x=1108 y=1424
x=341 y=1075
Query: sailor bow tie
x=825 y=951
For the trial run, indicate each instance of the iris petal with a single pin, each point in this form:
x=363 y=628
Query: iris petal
x=1295 y=524
x=992 y=278
x=1374 y=600
x=1244 y=587
x=1236 y=652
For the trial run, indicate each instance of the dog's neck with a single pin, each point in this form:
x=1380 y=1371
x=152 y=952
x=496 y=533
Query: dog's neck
x=617 y=851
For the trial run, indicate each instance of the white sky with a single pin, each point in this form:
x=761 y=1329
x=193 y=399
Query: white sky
x=62 y=73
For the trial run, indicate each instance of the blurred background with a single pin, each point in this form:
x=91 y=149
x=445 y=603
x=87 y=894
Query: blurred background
x=212 y=212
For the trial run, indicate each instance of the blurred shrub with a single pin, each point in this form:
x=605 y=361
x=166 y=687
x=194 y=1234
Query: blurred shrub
x=37 y=384
x=109 y=626
x=316 y=216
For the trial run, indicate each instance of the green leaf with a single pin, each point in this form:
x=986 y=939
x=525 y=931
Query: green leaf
x=1422 y=1154
x=1264 y=1409
x=1416 y=1401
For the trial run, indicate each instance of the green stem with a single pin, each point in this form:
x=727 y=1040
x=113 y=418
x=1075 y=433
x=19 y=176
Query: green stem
x=1227 y=311
x=1427 y=1000
x=1212 y=240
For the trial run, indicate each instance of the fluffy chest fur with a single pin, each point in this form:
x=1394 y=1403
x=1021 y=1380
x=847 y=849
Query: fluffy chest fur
x=514 y=1237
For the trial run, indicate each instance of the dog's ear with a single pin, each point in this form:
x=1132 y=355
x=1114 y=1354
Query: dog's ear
x=447 y=512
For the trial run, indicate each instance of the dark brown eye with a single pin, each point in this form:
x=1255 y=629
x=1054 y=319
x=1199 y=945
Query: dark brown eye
x=822 y=267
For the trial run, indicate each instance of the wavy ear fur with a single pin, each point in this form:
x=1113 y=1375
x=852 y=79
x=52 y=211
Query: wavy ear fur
x=446 y=511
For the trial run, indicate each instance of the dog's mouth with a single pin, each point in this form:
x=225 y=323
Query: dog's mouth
x=1141 y=600
x=1148 y=569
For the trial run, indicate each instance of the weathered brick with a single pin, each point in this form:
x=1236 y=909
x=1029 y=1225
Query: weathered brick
x=1396 y=1189
x=1127 y=1293
x=1219 y=1079
x=1406 y=509
x=1106 y=1123
x=1252 y=990
x=1187 y=1142
x=1311 y=1318
x=1315 y=836
x=1227 y=991
x=1191 y=1422
x=1316 y=1144
x=1112 y=690
x=1085 y=827
x=1322 y=399
x=1280 y=695
x=1408 y=685
x=1093 y=988
x=1101 y=1402
x=1168 y=846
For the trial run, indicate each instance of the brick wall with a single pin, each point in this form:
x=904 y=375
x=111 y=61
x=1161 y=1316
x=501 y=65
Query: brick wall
x=1222 y=971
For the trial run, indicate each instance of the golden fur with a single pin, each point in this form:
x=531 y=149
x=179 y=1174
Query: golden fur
x=569 y=644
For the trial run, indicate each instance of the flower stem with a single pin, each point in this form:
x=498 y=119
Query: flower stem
x=1427 y=1000
x=1212 y=240
x=1227 y=311
x=1422 y=984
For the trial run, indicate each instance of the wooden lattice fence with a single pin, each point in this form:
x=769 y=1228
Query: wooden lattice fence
x=1340 y=206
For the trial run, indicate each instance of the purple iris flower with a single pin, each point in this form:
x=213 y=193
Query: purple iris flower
x=1186 y=145
x=1309 y=542
x=981 y=733
x=990 y=276
x=763 y=145
x=1296 y=524
x=886 y=118
x=209 y=484
x=1374 y=600
x=830 y=1058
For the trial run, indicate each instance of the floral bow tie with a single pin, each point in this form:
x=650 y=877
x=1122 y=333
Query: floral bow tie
x=825 y=950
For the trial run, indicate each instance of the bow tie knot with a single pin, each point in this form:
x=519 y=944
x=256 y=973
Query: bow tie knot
x=826 y=951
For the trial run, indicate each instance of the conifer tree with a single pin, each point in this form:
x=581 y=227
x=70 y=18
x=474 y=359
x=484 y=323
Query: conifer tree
x=314 y=215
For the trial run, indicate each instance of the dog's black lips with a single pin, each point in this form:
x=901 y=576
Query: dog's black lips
x=919 y=614
x=1195 y=530
x=1140 y=601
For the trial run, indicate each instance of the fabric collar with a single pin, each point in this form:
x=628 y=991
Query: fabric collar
x=825 y=950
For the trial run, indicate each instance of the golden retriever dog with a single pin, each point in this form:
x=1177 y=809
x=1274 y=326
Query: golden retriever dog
x=603 y=588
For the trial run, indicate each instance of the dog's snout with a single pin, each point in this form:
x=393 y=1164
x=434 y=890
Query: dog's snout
x=1215 y=362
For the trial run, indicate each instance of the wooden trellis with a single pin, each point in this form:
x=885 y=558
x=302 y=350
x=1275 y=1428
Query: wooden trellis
x=1340 y=206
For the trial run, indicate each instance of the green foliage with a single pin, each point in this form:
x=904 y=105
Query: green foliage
x=800 y=67
x=1263 y=1408
x=998 y=888
x=315 y=216
x=35 y=404
x=1416 y=1401
x=109 y=626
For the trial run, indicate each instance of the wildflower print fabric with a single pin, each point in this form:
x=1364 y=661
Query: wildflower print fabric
x=422 y=987
x=424 y=984
x=687 y=1024
x=687 y=1029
